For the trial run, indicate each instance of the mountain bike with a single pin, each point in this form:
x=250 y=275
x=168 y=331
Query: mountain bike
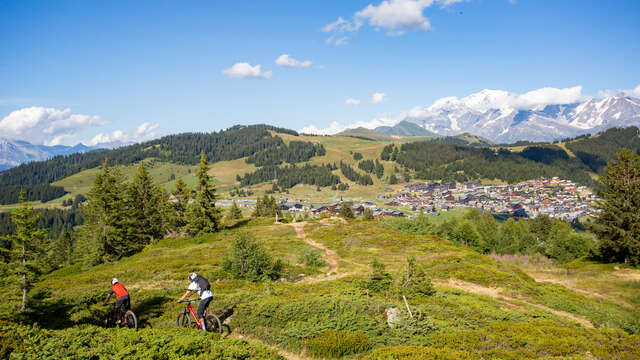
x=129 y=320
x=184 y=320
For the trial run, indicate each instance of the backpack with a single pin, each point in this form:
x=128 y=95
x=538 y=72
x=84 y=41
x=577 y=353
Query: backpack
x=203 y=283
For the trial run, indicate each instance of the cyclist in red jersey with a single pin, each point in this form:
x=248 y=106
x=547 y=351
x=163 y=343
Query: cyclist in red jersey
x=122 y=297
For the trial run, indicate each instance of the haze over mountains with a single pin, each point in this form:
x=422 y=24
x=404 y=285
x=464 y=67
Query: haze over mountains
x=16 y=152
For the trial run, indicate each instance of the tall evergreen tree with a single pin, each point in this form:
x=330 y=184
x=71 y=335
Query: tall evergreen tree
x=28 y=248
x=202 y=214
x=106 y=217
x=145 y=203
x=618 y=226
x=234 y=212
x=181 y=195
x=62 y=249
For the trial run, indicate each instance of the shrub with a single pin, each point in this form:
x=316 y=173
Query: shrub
x=312 y=258
x=415 y=281
x=379 y=280
x=367 y=215
x=249 y=260
x=336 y=343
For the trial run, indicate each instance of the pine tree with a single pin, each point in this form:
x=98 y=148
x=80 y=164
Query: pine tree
x=28 y=249
x=234 y=212
x=346 y=211
x=393 y=179
x=145 y=204
x=379 y=169
x=367 y=215
x=178 y=206
x=618 y=226
x=62 y=251
x=203 y=215
x=106 y=228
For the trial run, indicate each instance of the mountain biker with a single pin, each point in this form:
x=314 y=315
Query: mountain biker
x=202 y=287
x=122 y=297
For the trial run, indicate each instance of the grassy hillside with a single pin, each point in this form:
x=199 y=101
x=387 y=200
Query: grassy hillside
x=484 y=307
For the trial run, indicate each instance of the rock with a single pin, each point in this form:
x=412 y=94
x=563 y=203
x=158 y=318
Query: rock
x=616 y=267
x=394 y=317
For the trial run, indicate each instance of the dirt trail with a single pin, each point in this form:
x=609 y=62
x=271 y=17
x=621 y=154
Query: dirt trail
x=497 y=294
x=284 y=353
x=331 y=256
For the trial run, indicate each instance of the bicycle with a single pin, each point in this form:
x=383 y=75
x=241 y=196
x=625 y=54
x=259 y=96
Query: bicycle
x=186 y=321
x=129 y=319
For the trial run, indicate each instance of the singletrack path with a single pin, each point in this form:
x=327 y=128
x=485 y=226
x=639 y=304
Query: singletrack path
x=497 y=294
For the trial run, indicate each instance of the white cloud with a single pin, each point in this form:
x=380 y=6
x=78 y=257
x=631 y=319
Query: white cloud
x=548 y=96
x=343 y=25
x=626 y=92
x=377 y=98
x=50 y=126
x=243 y=70
x=144 y=132
x=397 y=16
x=287 y=61
x=445 y=3
x=335 y=127
x=352 y=101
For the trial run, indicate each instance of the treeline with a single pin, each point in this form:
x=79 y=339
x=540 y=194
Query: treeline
x=53 y=220
x=481 y=232
x=292 y=175
x=41 y=192
x=372 y=167
x=233 y=143
x=464 y=163
x=351 y=174
x=295 y=152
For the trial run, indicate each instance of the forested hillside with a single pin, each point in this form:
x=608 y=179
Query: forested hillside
x=234 y=143
x=596 y=151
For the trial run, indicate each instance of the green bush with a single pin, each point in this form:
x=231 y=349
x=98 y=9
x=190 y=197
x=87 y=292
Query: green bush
x=249 y=260
x=90 y=342
x=336 y=343
x=312 y=258
x=415 y=281
x=379 y=279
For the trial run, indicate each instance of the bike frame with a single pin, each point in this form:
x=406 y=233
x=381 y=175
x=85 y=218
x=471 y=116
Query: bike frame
x=193 y=310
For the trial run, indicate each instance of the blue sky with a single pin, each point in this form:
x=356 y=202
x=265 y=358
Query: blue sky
x=72 y=70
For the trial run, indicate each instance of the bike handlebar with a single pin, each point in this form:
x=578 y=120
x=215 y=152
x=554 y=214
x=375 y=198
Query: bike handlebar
x=188 y=300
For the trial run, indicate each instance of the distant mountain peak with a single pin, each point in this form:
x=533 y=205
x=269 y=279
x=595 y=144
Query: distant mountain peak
x=16 y=152
x=490 y=114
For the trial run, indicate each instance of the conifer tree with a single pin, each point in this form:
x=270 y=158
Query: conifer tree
x=62 y=250
x=367 y=215
x=618 y=226
x=105 y=229
x=28 y=249
x=379 y=169
x=202 y=214
x=346 y=211
x=234 y=212
x=178 y=206
x=144 y=206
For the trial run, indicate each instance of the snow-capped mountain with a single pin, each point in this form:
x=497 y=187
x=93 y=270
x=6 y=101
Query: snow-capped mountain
x=16 y=152
x=504 y=117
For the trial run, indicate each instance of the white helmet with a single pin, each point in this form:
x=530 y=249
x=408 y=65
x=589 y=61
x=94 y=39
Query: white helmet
x=114 y=281
x=192 y=276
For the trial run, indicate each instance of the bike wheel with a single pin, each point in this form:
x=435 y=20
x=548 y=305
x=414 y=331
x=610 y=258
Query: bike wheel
x=111 y=319
x=130 y=320
x=213 y=324
x=183 y=320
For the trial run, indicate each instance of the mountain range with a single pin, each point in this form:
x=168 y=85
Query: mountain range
x=494 y=114
x=16 y=152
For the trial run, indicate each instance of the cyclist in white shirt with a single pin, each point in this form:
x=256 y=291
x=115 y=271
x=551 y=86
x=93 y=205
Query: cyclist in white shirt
x=203 y=288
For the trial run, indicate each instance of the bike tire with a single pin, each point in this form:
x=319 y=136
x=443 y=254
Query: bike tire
x=110 y=321
x=183 y=320
x=213 y=324
x=130 y=320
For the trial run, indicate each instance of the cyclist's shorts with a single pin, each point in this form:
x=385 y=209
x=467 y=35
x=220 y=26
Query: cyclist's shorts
x=124 y=302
